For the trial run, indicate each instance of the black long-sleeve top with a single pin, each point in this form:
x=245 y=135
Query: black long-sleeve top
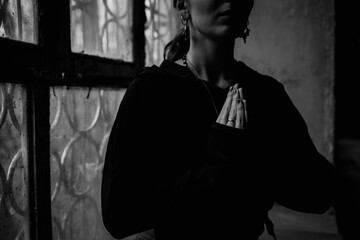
x=171 y=167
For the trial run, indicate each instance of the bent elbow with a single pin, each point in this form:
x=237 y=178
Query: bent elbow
x=314 y=202
x=321 y=207
x=112 y=226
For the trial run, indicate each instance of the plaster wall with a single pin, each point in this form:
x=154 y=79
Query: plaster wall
x=293 y=41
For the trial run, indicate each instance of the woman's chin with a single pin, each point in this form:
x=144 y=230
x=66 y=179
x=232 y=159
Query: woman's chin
x=227 y=29
x=227 y=32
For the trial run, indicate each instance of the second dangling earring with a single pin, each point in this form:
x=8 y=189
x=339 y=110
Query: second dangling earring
x=185 y=22
x=185 y=32
x=246 y=32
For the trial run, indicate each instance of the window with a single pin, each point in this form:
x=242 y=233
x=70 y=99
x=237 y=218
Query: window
x=65 y=66
x=13 y=163
x=18 y=20
x=80 y=124
x=102 y=28
x=160 y=28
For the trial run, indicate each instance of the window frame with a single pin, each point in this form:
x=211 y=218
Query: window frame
x=50 y=63
x=53 y=51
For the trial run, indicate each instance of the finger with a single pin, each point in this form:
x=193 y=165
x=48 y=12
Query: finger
x=232 y=112
x=223 y=116
x=245 y=110
x=239 y=113
x=244 y=104
x=240 y=116
x=241 y=93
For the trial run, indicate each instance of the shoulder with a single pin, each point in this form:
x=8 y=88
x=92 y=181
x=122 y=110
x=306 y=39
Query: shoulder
x=167 y=74
x=146 y=75
x=146 y=79
x=156 y=83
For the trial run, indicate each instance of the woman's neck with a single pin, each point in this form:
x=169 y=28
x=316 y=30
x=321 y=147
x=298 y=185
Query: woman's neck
x=213 y=60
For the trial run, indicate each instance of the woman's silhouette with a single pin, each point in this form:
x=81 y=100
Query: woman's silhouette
x=203 y=145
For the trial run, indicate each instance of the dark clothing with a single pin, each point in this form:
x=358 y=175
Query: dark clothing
x=171 y=167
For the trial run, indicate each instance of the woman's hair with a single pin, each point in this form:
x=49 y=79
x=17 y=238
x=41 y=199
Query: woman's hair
x=177 y=47
x=180 y=45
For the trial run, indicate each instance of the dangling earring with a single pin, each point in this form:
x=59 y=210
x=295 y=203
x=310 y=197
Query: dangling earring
x=185 y=32
x=185 y=22
x=245 y=33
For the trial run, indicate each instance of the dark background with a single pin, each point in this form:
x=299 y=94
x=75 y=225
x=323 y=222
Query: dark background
x=347 y=118
x=347 y=67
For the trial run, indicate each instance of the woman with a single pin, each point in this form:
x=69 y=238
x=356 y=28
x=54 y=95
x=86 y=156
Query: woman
x=203 y=146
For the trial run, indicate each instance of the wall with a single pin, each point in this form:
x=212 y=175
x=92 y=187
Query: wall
x=293 y=41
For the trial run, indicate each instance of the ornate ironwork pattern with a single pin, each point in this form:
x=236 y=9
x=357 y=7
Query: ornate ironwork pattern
x=13 y=163
x=80 y=121
x=162 y=25
x=102 y=27
x=18 y=20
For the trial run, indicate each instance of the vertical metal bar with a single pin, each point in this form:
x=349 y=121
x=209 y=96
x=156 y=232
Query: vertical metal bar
x=38 y=125
x=31 y=162
x=25 y=154
x=139 y=20
x=54 y=33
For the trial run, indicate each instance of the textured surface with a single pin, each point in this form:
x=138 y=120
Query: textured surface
x=293 y=41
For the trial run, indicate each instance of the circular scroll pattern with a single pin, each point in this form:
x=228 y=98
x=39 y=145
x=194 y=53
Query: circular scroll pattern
x=79 y=174
x=10 y=180
x=70 y=108
x=84 y=208
x=77 y=152
x=13 y=171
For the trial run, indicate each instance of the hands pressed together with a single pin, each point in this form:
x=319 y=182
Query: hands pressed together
x=234 y=112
